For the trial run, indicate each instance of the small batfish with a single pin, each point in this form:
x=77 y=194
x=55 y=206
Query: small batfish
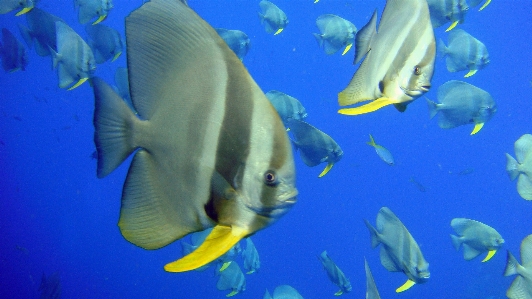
x=232 y=279
x=96 y=10
x=474 y=3
x=251 y=257
x=272 y=17
x=399 y=250
x=476 y=238
x=521 y=168
x=50 y=287
x=287 y=106
x=237 y=41
x=371 y=288
x=521 y=287
x=336 y=33
x=462 y=103
x=209 y=150
x=283 y=292
x=315 y=147
x=74 y=59
x=122 y=85
x=399 y=59
x=383 y=153
x=41 y=28
x=335 y=274
x=105 y=42
x=464 y=53
x=445 y=11
x=23 y=6
x=12 y=52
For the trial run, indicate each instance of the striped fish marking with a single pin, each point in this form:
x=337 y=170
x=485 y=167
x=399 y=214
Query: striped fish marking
x=211 y=150
x=399 y=59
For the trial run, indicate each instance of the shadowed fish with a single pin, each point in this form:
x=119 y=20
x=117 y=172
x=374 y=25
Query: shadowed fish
x=287 y=106
x=371 y=288
x=335 y=274
x=474 y=3
x=336 y=33
x=232 y=279
x=283 y=292
x=521 y=168
x=445 y=11
x=105 y=42
x=50 y=287
x=475 y=237
x=315 y=147
x=381 y=151
x=96 y=10
x=460 y=104
x=23 y=6
x=399 y=59
x=251 y=257
x=418 y=185
x=41 y=28
x=12 y=52
x=237 y=41
x=122 y=85
x=464 y=53
x=521 y=287
x=272 y=17
x=209 y=148
x=399 y=250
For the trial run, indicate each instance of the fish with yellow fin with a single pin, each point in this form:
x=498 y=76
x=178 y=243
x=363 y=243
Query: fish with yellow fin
x=445 y=11
x=475 y=237
x=105 y=42
x=335 y=33
x=272 y=17
x=93 y=10
x=23 y=6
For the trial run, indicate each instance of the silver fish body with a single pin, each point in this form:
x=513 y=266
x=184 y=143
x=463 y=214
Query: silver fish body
x=335 y=33
x=283 y=292
x=521 y=287
x=23 y=6
x=335 y=274
x=105 y=42
x=287 y=106
x=251 y=257
x=475 y=237
x=371 y=287
x=464 y=53
x=41 y=29
x=93 y=10
x=272 y=17
x=12 y=52
x=232 y=279
x=237 y=41
x=445 y=11
x=520 y=168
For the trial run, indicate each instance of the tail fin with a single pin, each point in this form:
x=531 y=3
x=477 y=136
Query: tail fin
x=433 y=108
x=26 y=35
x=441 y=49
x=319 y=39
x=456 y=242
x=512 y=167
x=374 y=234
x=511 y=265
x=371 y=141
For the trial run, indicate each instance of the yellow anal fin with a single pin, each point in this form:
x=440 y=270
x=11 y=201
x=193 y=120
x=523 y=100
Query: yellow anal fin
x=470 y=73
x=370 y=107
x=491 y=253
x=338 y=293
x=23 y=11
x=250 y=272
x=407 y=285
x=316 y=1
x=327 y=168
x=101 y=18
x=232 y=294
x=81 y=81
x=218 y=242
x=347 y=48
x=278 y=31
x=116 y=56
x=484 y=6
x=452 y=26
x=225 y=265
x=477 y=128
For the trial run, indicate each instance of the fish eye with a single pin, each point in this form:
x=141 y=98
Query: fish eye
x=270 y=179
x=417 y=70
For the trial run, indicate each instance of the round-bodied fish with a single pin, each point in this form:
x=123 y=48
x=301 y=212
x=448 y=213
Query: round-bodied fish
x=272 y=17
x=335 y=33
x=521 y=168
x=464 y=53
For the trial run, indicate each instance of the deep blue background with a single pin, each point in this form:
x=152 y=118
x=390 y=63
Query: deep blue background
x=65 y=219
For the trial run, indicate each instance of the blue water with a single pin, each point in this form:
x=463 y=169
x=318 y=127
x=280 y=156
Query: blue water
x=55 y=215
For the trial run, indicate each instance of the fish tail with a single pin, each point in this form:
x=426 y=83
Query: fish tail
x=441 y=49
x=374 y=234
x=112 y=122
x=261 y=17
x=319 y=39
x=456 y=242
x=511 y=265
x=433 y=108
x=371 y=141
x=26 y=35
x=512 y=167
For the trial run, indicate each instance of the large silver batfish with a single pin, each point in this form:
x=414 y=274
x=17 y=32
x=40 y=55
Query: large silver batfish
x=399 y=59
x=209 y=148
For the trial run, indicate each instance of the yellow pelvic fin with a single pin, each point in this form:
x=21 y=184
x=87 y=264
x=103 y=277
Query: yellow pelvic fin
x=485 y=4
x=338 y=293
x=116 y=56
x=278 y=31
x=232 y=294
x=23 y=11
x=370 y=107
x=101 y=18
x=316 y=1
x=81 y=81
x=407 y=285
x=225 y=265
x=452 y=26
x=347 y=48
x=477 y=128
x=470 y=73
x=250 y=272
x=327 y=168
x=491 y=253
x=218 y=242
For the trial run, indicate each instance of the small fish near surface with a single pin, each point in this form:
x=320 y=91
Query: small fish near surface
x=521 y=287
x=315 y=147
x=475 y=237
x=96 y=10
x=335 y=274
x=23 y=6
x=464 y=53
x=42 y=29
x=381 y=151
x=399 y=59
x=251 y=257
x=335 y=33
x=272 y=17
x=371 y=287
x=287 y=106
x=445 y=11
x=460 y=104
x=105 y=42
x=521 y=168
x=283 y=292
x=399 y=250
x=209 y=148
x=237 y=41
x=232 y=279
x=12 y=53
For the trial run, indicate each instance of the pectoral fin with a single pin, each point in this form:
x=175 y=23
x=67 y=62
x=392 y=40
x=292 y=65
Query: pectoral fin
x=477 y=128
x=470 y=73
x=327 y=168
x=484 y=6
x=81 y=81
x=491 y=253
x=407 y=285
x=278 y=31
x=338 y=293
x=225 y=265
x=218 y=242
x=452 y=26
x=101 y=18
x=347 y=48
x=23 y=11
x=232 y=294
x=370 y=107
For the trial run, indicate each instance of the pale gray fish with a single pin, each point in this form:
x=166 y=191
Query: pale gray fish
x=283 y=292
x=272 y=17
x=41 y=28
x=74 y=59
x=521 y=168
x=476 y=238
x=12 y=52
x=335 y=274
x=521 y=287
x=474 y=3
x=399 y=250
x=315 y=147
x=460 y=104
x=237 y=41
x=232 y=279
x=381 y=151
x=445 y=11
x=209 y=148
x=399 y=59
x=287 y=106
x=122 y=85
x=251 y=257
x=93 y=10
x=464 y=53
x=21 y=6
x=335 y=33
x=105 y=42
x=418 y=185
x=371 y=287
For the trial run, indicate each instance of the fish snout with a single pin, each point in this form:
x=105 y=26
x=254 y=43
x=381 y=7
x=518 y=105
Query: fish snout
x=425 y=88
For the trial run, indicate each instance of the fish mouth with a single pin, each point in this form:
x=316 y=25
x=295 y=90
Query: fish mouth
x=276 y=211
x=415 y=92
